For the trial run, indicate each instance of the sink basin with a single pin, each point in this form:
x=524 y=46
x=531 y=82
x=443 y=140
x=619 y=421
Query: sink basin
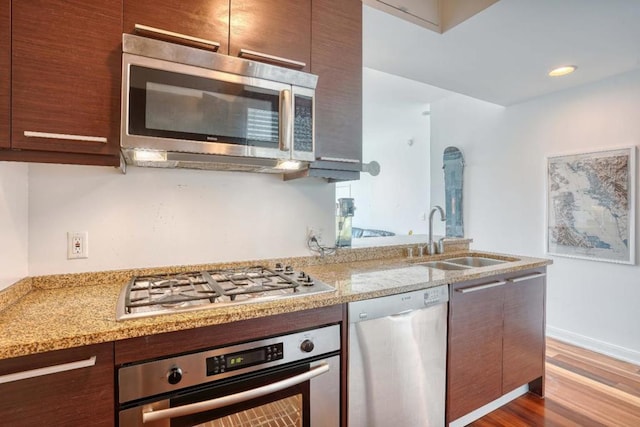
x=474 y=261
x=464 y=262
x=443 y=265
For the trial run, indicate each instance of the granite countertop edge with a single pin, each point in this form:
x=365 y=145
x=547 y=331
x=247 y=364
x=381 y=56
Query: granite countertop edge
x=49 y=317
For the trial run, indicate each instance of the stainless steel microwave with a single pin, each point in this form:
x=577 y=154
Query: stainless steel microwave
x=188 y=107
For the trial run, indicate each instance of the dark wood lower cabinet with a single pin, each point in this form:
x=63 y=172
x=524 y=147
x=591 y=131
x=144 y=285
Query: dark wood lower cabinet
x=496 y=339
x=474 y=372
x=81 y=396
x=524 y=335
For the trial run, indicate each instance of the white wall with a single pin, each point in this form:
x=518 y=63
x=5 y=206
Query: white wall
x=152 y=217
x=593 y=304
x=396 y=134
x=13 y=223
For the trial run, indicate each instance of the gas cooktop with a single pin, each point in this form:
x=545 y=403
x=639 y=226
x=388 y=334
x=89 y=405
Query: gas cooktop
x=160 y=294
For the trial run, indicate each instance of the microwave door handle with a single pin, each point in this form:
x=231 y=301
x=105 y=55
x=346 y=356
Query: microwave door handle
x=286 y=120
x=221 y=402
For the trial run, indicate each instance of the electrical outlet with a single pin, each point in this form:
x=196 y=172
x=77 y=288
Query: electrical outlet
x=77 y=244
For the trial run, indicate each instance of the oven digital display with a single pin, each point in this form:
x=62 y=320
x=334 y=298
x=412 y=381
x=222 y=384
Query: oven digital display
x=229 y=362
x=239 y=360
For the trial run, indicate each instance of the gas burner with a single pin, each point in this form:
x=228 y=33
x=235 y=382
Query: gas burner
x=170 y=293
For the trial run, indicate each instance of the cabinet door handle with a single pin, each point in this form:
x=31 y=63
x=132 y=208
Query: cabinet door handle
x=159 y=31
x=525 y=278
x=48 y=135
x=248 y=54
x=243 y=396
x=55 y=369
x=481 y=287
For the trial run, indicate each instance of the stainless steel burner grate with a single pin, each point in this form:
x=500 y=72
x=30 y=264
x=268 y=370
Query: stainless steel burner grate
x=158 y=294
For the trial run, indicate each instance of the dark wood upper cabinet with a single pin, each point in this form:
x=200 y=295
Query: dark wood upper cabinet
x=5 y=72
x=66 y=60
x=280 y=28
x=203 y=19
x=60 y=68
x=82 y=396
x=474 y=371
x=336 y=57
x=524 y=339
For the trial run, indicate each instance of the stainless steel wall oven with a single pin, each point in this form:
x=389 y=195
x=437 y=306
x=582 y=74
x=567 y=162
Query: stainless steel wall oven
x=287 y=380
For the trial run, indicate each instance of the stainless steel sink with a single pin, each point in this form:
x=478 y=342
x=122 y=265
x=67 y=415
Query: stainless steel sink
x=474 y=261
x=443 y=265
x=463 y=263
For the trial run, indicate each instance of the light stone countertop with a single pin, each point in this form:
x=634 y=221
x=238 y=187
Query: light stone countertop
x=64 y=311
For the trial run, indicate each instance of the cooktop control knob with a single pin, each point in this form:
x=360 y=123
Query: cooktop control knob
x=288 y=270
x=307 y=346
x=174 y=376
x=279 y=266
x=305 y=279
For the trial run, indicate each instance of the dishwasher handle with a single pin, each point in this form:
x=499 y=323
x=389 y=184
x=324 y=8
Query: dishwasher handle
x=403 y=313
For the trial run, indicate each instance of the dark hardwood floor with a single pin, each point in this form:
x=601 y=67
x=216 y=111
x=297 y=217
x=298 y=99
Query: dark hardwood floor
x=583 y=388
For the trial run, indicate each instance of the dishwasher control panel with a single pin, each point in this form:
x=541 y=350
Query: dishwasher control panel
x=399 y=304
x=436 y=295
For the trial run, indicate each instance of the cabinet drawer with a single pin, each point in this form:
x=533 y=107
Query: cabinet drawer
x=66 y=387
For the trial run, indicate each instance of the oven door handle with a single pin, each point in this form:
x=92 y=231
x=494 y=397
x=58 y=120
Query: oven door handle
x=221 y=402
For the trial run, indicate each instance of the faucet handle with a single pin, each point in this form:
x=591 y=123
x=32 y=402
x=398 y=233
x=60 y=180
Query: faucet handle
x=440 y=247
x=409 y=252
x=421 y=250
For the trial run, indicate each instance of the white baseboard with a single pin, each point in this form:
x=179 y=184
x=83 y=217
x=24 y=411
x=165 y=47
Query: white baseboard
x=615 y=351
x=489 y=407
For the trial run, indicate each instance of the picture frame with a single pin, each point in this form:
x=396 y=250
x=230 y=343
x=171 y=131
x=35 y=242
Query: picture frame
x=590 y=205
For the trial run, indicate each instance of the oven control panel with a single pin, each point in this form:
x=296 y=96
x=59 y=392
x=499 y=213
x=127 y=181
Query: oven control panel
x=255 y=356
x=154 y=377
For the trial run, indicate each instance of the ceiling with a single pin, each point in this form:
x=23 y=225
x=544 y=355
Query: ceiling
x=391 y=90
x=502 y=54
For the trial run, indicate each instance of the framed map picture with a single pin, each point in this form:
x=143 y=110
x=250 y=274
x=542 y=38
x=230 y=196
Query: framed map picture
x=591 y=205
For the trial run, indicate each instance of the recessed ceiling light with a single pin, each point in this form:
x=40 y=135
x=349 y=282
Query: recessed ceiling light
x=562 y=71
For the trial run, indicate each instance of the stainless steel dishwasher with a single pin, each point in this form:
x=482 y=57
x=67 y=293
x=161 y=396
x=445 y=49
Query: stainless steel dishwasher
x=397 y=359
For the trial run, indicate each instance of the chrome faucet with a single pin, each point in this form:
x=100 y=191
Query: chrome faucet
x=431 y=246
